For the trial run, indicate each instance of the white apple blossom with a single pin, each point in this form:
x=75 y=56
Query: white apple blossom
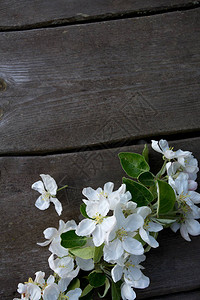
x=127 y=291
x=129 y=267
x=121 y=238
x=47 y=189
x=148 y=226
x=53 y=237
x=113 y=197
x=53 y=291
x=99 y=224
x=64 y=267
x=162 y=147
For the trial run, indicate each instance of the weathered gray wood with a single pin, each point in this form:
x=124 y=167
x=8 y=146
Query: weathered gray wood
x=14 y=14
x=173 y=267
x=89 y=84
x=180 y=296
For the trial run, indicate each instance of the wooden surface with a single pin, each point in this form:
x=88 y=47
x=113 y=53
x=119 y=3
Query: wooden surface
x=23 y=13
x=173 y=267
x=144 y=71
x=69 y=95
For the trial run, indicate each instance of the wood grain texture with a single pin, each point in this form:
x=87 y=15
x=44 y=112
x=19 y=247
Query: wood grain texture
x=69 y=87
x=15 y=14
x=195 y=295
x=173 y=267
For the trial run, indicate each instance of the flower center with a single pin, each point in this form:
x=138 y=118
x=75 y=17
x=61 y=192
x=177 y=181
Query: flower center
x=128 y=265
x=98 y=218
x=121 y=233
x=46 y=196
x=62 y=297
x=127 y=212
x=104 y=194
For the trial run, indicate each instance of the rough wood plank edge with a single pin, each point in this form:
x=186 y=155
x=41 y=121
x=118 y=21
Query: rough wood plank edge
x=99 y=83
x=15 y=15
x=191 y=295
x=176 y=268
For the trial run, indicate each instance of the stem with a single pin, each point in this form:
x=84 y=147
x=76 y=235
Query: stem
x=63 y=187
x=162 y=170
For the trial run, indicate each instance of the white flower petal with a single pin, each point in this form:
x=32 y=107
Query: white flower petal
x=192 y=185
x=22 y=288
x=164 y=145
x=116 y=273
x=154 y=227
x=85 y=264
x=113 y=250
x=57 y=249
x=193 y=227
x=127 y=292
x=98 y=236
x=49 y=184
x=74 y=294
x=133 y=222
x=108 y=187
x=155 y=146
x=184 y=232
x=194 y=196
x=133 y=273
x=50 y=233
x=144 y=211
x=142 y=283
x=51 y=292
x=44 y=243
x=38 y=186
x=108 y=223
x=58 y=205
x=34 y=291
x=175 y=227
x=85 y=227
x=63 y=283
x=91 y=194
x=132 y=246
x=39 y=277
x=103 y=208
x=41 y=203
x=50 y=279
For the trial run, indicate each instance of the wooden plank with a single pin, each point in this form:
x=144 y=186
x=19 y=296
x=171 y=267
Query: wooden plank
x=183 y=296
x=173 y=267
x=123 y=79
x=14 y=14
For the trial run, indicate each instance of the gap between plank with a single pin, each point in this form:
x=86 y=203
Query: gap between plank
x=102 y=18
x=109 y=145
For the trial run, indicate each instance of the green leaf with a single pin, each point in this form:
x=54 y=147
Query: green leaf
x=153 y=190
x=83 y=211
x=107 y=286
x=166 y=197
x=69 y=239
x=85 y=253
x=140 y=194
x=75 y=283
x=145 y=153
x=86 y=290
x=96 y=278
x=133 y=164
x=165 y=221
x=146 y=178
x=116 y=290
x=98 y=252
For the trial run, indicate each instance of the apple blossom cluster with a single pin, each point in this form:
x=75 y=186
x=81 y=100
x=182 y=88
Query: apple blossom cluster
x=106 y=248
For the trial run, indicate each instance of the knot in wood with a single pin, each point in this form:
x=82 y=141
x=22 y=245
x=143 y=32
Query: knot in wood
x=3 y=85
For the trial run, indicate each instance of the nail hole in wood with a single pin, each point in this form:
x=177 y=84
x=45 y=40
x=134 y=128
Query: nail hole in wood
x=3 y=85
